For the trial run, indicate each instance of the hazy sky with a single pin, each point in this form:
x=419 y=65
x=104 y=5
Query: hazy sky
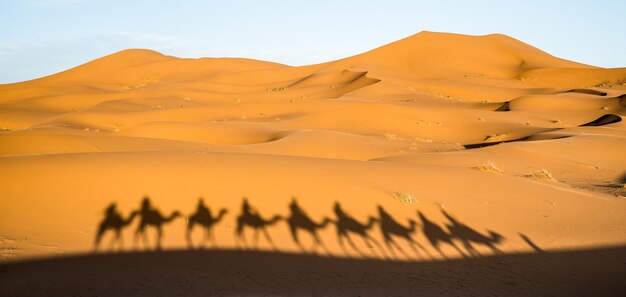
x=42 y=37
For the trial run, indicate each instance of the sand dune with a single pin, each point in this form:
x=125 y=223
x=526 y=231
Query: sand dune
x=451 y=132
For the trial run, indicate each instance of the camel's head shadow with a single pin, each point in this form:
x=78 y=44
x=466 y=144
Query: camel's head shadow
x=422 y=216
x=495 y=236
x=381 y=210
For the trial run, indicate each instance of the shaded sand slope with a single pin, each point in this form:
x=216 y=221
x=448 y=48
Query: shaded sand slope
x=429 y=130
x=247 y=273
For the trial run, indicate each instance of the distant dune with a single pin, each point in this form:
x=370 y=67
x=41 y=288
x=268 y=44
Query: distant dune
x=437 y=146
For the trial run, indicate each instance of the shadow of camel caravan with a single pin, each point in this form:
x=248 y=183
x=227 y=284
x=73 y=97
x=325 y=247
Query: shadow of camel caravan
x=455 y=234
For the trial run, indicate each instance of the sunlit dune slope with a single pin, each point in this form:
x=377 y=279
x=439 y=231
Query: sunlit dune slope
x=487 y=128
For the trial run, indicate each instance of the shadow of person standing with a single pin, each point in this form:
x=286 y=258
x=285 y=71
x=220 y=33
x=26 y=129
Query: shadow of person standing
x=469 y=236
x=152 y=217
x=113 y=221
x=299 y=220
x=390 y=229
x=204 y=218
x=347 y=225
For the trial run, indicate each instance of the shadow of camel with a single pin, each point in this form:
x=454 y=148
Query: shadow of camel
x=469 y=236
x=249 y=217
x=299 y=220
x=113 y=221
x=204 y=218
x=347 y=225
x=152 y=217
x=390 y=229
x=437 y=235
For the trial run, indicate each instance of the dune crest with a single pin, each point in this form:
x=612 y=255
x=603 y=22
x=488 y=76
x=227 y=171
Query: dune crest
x=426 y=117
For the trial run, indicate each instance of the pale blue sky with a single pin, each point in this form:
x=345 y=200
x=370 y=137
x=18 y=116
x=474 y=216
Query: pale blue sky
x=42 y=37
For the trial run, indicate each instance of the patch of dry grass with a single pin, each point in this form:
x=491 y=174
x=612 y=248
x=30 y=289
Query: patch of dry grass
x=405 y=198
x=542 y=174
x=490 y=166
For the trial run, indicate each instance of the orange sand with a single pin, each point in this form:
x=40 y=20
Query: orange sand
x=402 y=126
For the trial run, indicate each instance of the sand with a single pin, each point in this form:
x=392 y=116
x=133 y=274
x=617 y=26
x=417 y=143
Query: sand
x=438 y=148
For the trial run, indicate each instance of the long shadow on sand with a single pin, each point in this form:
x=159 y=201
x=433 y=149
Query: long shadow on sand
x=392 y=229
x=437 y=236
x=203 y=217
x=347 y=225
x=115 y=222
x=250 y=218
x=598 y=272
x=299 y=220
x=470 y=237
x=150 y=216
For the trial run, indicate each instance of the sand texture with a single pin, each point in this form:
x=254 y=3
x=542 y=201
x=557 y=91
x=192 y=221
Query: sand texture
x=436 y=151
